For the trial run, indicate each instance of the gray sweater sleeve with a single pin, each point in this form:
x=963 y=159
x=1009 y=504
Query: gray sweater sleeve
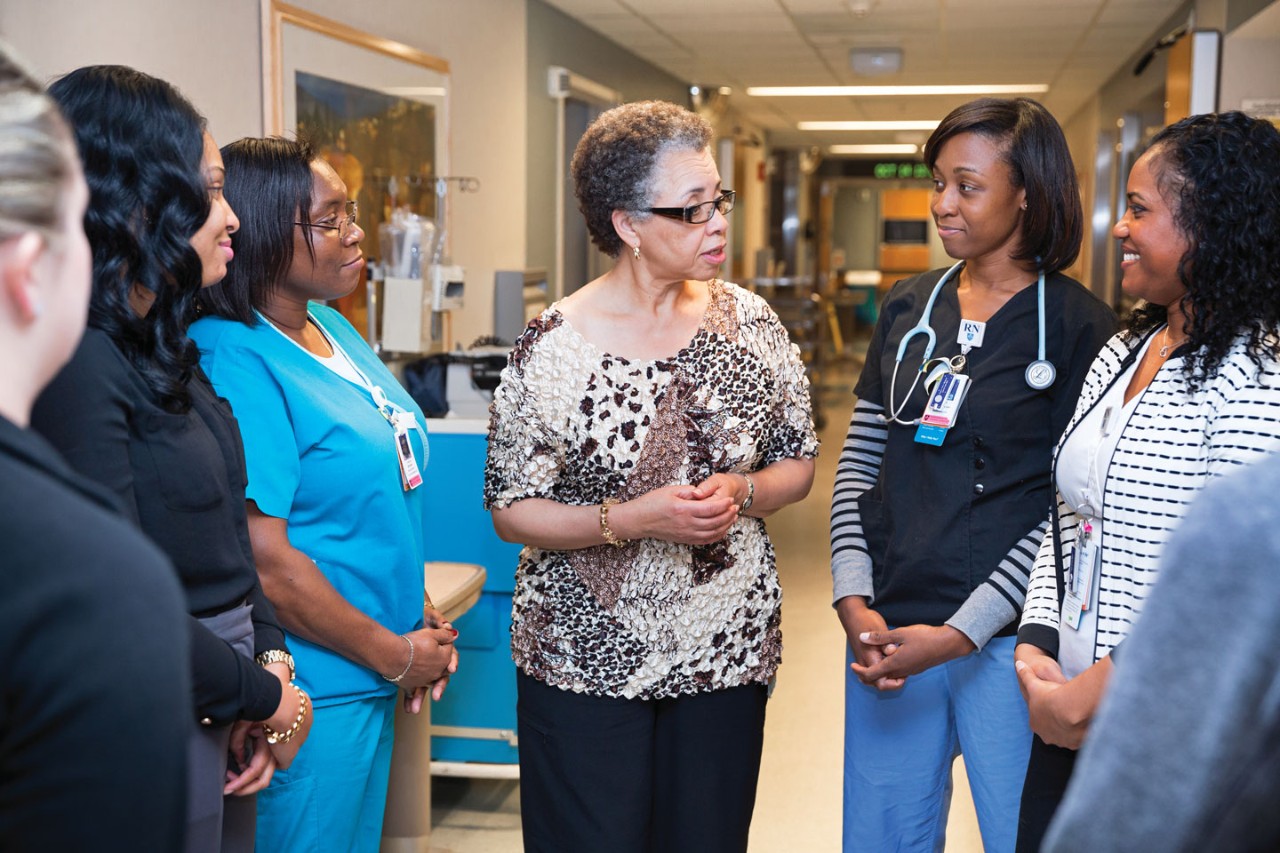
x=856 y=473
x=998 y=600
x=1185 y=752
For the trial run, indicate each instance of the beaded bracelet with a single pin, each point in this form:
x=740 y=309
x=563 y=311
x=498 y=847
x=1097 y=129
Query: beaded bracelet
x=275 y=737
x=608 y=535
x=407 y=666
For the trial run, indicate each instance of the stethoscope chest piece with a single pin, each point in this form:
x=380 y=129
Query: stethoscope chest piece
x=1040 y=374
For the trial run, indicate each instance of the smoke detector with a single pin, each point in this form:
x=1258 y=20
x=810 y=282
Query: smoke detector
x=875 y=61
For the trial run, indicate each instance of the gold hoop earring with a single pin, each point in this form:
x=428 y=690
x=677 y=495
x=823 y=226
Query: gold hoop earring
x=636 y=252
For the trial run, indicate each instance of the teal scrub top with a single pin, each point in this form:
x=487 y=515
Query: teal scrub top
x=322 y=456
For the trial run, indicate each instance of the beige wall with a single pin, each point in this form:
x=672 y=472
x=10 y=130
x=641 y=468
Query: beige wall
x=1250 y=70
x=212 y=51
x=1082 y=139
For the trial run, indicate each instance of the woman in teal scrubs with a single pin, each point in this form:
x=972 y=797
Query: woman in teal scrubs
x=335 y=448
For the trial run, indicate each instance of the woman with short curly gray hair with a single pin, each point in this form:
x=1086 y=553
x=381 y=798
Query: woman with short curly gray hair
x=613 y=166
x=644 y=427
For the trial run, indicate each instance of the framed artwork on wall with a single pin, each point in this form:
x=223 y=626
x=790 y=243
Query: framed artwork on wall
x=375 y=109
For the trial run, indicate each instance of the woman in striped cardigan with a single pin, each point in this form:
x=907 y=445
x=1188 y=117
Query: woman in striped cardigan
x=1189 y=391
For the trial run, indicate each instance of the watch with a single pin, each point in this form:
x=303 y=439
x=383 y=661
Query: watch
x=751 y=496
x=277 y=656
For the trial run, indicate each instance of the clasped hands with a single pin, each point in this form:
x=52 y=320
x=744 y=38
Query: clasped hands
x=885 y=658
x=687 y=514
x=1060 y=709
x=253 y=761
x=435 y=659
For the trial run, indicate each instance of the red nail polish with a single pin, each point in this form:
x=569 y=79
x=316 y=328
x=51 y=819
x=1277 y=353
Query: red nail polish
x=455 y=631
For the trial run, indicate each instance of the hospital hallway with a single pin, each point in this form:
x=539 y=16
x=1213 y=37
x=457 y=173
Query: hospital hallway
x=798 y=802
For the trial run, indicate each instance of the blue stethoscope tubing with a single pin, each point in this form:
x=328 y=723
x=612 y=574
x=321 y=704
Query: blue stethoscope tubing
x=1039 y=373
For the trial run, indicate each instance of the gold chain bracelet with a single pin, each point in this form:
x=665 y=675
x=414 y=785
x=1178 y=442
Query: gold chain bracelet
x=604 y=523
x=275 y=737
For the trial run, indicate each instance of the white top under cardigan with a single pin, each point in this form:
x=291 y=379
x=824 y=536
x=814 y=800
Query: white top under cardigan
x=1174 y=442
x=1081 y=476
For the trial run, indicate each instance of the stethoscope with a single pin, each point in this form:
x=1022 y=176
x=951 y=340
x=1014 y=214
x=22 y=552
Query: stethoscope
x=1039 y=374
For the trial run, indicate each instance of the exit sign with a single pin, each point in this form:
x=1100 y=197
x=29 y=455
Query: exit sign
x=898 y=171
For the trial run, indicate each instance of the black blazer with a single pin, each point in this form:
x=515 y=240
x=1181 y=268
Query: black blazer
x=95 y=697
x=181 y=479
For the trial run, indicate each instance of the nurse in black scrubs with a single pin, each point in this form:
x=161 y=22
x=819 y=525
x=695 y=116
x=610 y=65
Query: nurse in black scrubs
x=942 y=492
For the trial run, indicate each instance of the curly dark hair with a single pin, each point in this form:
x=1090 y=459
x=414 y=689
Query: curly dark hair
x=613 y=165
x=141 y=143
x=269 y=183
x=1040 y=162
x=1220 y=175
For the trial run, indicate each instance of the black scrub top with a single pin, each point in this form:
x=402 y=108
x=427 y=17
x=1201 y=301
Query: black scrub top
x=940 y=519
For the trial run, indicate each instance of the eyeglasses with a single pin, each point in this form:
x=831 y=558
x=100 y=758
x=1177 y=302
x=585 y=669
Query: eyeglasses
x=699 y=213
x=343 y=227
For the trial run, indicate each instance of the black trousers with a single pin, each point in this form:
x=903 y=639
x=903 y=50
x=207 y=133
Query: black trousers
x=606 y=775
x=1048 y=771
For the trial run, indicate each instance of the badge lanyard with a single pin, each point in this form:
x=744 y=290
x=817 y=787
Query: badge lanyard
x=401 y=421
x=1087 y=554
x=1039 y=375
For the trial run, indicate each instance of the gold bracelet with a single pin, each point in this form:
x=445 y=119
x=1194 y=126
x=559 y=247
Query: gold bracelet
x=277 y=656
x=275 y=737
x=604 y=523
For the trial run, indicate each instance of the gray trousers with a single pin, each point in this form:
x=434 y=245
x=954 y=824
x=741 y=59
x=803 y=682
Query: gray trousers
x=218 y=824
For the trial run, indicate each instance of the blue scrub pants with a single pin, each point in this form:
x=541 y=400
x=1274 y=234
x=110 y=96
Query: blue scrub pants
x=334 y=793
x=900 y=744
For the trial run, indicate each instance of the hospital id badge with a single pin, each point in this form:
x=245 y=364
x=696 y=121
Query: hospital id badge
x=944 y=402
x=940 y=413
x=410 y=476
x=1085 y=563
x=1071 y=611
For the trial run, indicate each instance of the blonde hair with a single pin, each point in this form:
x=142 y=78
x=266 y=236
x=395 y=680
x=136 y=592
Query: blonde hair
x=34 y=156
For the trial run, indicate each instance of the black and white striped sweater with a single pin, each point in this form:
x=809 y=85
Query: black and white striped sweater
x=1172 y=445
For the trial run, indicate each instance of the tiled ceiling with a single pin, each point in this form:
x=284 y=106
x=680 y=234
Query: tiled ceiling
x=1073 y=46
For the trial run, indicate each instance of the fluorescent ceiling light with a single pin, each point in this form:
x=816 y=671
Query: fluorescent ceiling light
x=877 y=91
x=867 y=125
x=871 y=148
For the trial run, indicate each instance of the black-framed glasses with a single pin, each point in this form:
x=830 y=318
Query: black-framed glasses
x=343 y=226
x=696 y=214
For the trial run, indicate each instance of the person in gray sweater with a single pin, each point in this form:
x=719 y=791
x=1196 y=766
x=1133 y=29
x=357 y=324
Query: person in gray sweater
x=1185 y=752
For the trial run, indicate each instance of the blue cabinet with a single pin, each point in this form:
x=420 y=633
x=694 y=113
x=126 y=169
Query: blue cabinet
x=482 y=694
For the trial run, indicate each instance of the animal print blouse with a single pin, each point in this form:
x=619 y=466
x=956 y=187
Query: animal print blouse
x=571 y=423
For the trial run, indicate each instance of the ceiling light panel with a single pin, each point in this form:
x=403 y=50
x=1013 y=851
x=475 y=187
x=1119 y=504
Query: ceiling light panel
x=873 y=148
x=860 y=91
x=928 y=124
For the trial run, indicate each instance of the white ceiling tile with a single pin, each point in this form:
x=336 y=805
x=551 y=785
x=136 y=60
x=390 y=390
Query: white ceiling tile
x=719 y=8
x=1074 y=45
